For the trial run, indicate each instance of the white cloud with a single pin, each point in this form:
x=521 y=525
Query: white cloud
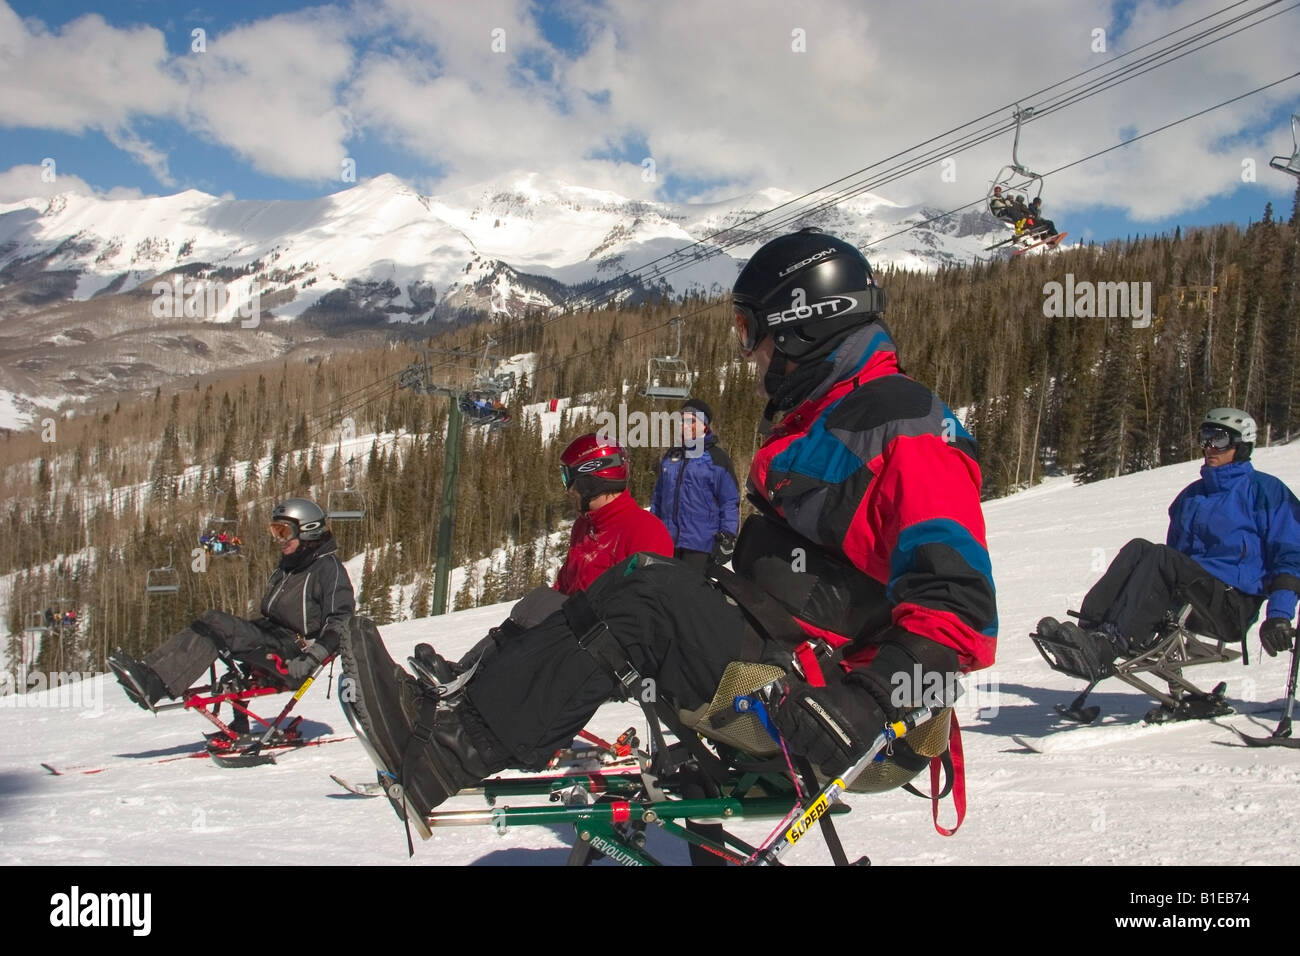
x=89 y=75
x=269 y=91
x=30 y=181
x=722 y=95
x=718 y=92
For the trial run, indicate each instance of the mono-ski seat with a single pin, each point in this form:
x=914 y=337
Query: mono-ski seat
x=1183 y=640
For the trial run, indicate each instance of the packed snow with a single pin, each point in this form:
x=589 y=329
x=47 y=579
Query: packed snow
x=1121 y=794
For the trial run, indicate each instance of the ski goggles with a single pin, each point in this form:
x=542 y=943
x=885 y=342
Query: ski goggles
x=568 y=475
x=747 y=328
x=1215 y=437
x=282 y=531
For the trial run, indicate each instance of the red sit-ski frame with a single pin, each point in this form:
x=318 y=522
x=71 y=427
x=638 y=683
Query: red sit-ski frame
x=252 y=682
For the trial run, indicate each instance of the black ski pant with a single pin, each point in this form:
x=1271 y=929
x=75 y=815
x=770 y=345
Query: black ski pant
x=188 y=653
x=536 y=690
x=699 y=560
x=1147 y=580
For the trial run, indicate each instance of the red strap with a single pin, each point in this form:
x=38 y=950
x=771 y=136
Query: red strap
x=806 y=655
x=958 y=779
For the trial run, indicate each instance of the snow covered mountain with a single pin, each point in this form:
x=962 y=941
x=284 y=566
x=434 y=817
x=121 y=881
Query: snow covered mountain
x=1119 y=793
x=103 y=295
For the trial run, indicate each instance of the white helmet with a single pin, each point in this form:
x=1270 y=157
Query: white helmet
x=1233 y=419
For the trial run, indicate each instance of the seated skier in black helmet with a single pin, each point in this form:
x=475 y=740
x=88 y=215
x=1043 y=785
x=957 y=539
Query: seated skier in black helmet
x=899 y=581
x=307 y=605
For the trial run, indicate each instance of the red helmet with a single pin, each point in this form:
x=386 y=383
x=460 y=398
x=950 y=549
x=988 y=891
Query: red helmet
x=594 y=467
x=588 y=455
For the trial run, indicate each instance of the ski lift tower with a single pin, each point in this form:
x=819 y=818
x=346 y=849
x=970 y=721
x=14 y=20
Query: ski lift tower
x=418 y=377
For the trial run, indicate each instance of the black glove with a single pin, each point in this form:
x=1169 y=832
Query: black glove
x=302 y=667
x=832 y=726
x=909 y=671
x=305 y=664
x=1276 y=635
x=724 y=546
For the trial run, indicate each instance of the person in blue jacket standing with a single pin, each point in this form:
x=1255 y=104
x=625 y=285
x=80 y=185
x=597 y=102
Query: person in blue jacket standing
x=1233 y=542
x=697 y=496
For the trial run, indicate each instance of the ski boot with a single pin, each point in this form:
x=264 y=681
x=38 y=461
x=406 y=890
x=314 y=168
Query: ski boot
x=142 y=685
x=425 y=747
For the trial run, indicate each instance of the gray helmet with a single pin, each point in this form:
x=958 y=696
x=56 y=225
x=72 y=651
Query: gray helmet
x=306 y=516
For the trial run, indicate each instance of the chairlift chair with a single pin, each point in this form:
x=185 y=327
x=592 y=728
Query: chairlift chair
x=39 y=627
x=163 y=580
x=1006 y=177
x=668 y=377
x=1291 y=165
x=346 y=503
x=217 y=524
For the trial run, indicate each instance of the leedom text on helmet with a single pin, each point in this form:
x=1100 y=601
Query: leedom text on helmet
x=812 y=258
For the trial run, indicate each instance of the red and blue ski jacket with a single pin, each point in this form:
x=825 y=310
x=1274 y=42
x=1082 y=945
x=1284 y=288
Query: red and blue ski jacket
x=1242 y=526
x=873 y=467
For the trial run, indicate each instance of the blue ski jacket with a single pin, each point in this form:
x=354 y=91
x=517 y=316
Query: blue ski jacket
x=696 y=497
x=1242 y=526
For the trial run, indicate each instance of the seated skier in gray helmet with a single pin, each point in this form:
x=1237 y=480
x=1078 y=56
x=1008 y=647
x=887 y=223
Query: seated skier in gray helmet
x=307 y=604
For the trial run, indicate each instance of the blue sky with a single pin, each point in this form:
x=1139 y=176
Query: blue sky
x=447 y=95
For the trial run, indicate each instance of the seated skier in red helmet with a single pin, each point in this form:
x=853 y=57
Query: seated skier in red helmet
x=610 y=526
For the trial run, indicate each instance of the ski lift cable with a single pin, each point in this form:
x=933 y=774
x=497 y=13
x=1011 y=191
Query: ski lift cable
x=973 y=203
x=1071 y=98
x=1111 y=148
x=782 y=224
x=623 y=278
x=1116 y=76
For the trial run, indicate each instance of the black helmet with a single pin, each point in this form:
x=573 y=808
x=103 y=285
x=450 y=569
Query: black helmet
x=804 y=288
x=306 y=518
